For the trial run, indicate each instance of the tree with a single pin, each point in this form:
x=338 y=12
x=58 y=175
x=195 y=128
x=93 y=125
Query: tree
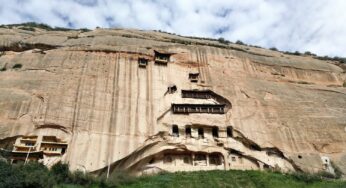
x=239 y=42
x=60 y=171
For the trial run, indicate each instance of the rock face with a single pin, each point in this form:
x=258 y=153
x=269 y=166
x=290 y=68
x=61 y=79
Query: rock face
x=191 y=104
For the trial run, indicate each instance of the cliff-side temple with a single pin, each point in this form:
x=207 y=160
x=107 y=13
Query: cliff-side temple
x=162 y=57
x=37 y=148
x=147 y=102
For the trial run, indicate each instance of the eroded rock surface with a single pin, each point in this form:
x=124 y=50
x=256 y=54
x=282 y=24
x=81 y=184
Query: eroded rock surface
x=87 y=88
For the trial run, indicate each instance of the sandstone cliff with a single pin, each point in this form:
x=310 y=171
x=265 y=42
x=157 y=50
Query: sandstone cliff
x=87 y=89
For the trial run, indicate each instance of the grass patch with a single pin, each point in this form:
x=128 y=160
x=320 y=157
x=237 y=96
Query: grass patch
x=34 y=174
x=236 y=179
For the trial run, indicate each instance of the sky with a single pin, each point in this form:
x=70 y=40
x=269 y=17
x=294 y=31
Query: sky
x=318 y=26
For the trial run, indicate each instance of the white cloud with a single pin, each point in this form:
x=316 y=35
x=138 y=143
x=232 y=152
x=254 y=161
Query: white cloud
x=303 y=25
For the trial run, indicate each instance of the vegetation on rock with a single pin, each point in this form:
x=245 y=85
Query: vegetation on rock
x=34 y=174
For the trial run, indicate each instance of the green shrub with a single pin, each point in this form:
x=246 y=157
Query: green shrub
x=344 y=84
x=324 y=174
x=306 y=177
x=239 y=42
x=84 y=30
x=17 y=66
x=28 y=28
x=9 y=177
x=80 y=178
x=337 y=170
x=61 y=172
x=297 y=53
x=223 y=41
x=309 y=53
x=273 y=48
x=36 y=175
x=118 y=178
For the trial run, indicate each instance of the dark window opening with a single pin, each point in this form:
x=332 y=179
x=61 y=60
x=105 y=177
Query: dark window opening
x=187 y=160
x=193 y=77
x=215 y=132
x=229 y=131
x=175 y=131
x=29 y=144
x=200 y=160
x=172 y=89
x=200 y=133
x=142 y=62
x=188 y=132
x=151 y=161
x=161 y=58
x=200 y=157
x=198 y=108
x=214 y=159
x=197 y=94
x=299 y=156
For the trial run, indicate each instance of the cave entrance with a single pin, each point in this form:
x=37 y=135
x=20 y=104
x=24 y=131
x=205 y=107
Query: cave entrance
x=200 y=133
x=230 y=131
x=215 y=159
x=200 y=160
x=175 y=131
x=188 y=132
x=215 y=132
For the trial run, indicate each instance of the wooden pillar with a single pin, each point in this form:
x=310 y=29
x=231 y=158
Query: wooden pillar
x=193 y=159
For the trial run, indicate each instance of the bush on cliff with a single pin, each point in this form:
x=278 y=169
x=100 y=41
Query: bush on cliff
x=34 y=174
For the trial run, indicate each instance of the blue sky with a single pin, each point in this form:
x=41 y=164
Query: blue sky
x=318 y=26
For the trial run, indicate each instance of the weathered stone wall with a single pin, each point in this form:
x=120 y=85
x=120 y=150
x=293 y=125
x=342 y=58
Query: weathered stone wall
x=88 y=89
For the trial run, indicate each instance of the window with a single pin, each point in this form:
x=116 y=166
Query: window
x=162 y=58
x=172 y=89
x=142 y=62
x=233 y=159
x=214 y=159
x=187 y=160
x=193 y=77
x=29 y=144
x=229 y=131
x=200 y=133
x=188 y=132
x=215 y=132
x=175 y=131
x=200 y=157
x=200 y=160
